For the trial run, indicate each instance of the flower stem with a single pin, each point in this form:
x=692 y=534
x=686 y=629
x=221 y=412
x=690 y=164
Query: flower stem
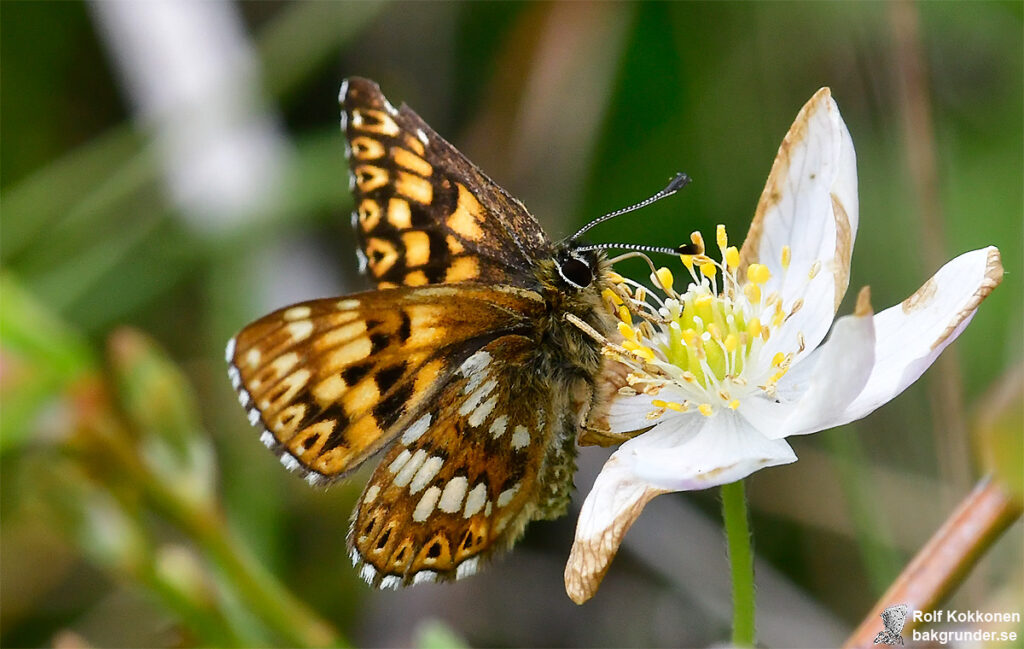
x=741 y=562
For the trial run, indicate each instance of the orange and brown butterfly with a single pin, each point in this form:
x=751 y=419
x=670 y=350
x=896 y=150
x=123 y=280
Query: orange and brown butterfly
x=462 y=368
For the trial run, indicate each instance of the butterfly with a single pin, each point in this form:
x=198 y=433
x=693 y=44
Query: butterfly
x=471 y=368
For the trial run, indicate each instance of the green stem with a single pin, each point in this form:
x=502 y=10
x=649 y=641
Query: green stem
x=741 y=562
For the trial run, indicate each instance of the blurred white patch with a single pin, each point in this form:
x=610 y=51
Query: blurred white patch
x=192 y=77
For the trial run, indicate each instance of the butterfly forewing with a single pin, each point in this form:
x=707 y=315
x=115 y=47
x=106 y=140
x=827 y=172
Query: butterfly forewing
x=461 y=480
x=332 y=381
x=423 y=213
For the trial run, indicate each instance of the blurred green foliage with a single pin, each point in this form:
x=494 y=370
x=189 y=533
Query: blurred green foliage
x=115 y=474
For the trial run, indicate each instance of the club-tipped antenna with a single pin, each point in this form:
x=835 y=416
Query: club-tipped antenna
x=681 y=180
x=687 y=249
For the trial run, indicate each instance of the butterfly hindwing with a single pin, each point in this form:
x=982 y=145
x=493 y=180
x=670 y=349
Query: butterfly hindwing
x=333 y=381
x=463 y=479
x=423 y=213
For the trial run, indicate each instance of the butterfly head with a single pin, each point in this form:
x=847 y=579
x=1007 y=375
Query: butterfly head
x=576 y=268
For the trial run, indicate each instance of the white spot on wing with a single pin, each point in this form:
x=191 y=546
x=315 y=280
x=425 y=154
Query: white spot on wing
x=236 y=378
x=418 y=427
x=368 y=573
x=299 y=330
x=371 y=494
x=520 y=437
x=314 y=478
x=297 y=313
x=426 y=504
x=355 y=556
x=505 y=497
x=475 y=500
x=399 y=462
x=254 y=417
x=476 y=397
x=481 y=413
x=473 y=365
x=426 y=474
x=424 y=577
x=391 y=581
x=343 y=92
x=243 y=398
x=391 y=109
x=453 y=494
x=498 y=426
x=348 y=304
x=229 y=350
x=467 y=568
x=289 y=462
x=422 y=137
x=268 y=439
x=410 y=468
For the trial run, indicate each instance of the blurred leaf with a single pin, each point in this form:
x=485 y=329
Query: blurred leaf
x=999 y=432
x=39 y=358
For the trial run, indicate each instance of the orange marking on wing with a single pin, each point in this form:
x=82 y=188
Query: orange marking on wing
x=399 y=214
x=462 y=269
x=468 y=214
x=411 y=161
x=417 y=248
x=414 y=187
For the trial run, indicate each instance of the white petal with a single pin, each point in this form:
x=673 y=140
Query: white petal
x=810 y=205
x=627 y=414
x=840 y=370
x=911 y=335
x=611 y=507
x=718 y=450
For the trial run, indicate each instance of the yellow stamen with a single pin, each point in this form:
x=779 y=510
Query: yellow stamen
x=754 y=327
x=705 y=409
x=777 y=359
x=732 y=341
x=721 y=237
x=708 y=269
x=732 y=257
x=611 y=296
x=697 y=239
x=687 y=261
x=627 y=332
x=734 y=404
x=665 y=279
x=758 y=273
x=753 y=293
x=625 y=316
x=786 y=257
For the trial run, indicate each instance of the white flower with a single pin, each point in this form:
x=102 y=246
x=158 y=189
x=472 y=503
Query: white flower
x=725 y=371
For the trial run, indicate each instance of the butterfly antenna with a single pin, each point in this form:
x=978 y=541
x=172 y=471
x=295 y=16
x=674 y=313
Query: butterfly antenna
x=681 y=180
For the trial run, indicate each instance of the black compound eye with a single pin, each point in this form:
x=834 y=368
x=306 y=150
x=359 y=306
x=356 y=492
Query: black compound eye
x=576 y=272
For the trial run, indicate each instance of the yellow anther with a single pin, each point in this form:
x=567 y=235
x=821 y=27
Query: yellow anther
x=611 y=296
x=721 y=237
x=777 y=359
x=813 y=272
x=687 y=261
x=705 y=409
x=689 y=336
x=627 y=332
x=689 y=376
x=787 y=255
x=732 y=257
x=615 y=278
x=678 y=407
x=630 y=345
x=758 y=273
x=714 y=331
x=645 y=353
x=734 y=404
x=625 y=316
x=732 y=341
x=665 y=279
x=697 y=239
x=753 y=293
x=641 y=294
x=708 y=269
x=658 y=403
x=754 y=327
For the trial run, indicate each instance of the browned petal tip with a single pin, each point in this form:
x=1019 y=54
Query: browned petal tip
x=863 y=307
